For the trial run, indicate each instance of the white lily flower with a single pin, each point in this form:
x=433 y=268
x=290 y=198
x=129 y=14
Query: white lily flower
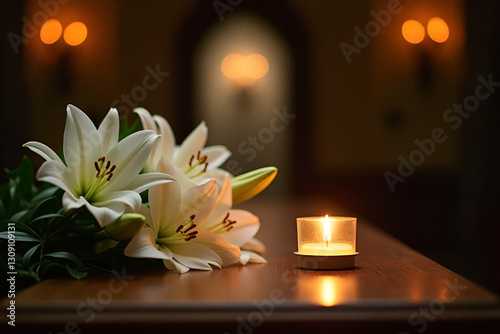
x=100 y=173
x=173 y=230
x=198 y=162
x=236 y=226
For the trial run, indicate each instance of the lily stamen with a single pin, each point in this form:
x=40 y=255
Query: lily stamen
x=224 y=226
x=192 y=226
x=191 y=236
x=194 y=162
x=182 y=231
x=103 y=176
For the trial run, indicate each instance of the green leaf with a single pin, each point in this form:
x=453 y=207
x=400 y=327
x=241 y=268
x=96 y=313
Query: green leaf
x=3 y=212
x=18 y=192
x=47 y=205
x=44 y=195
x=75 y=273
x=49 y=215
x=66 y=256
x=22 y=179
x=19 y=236
x=27 y=256
x=19 y=226
x=23 y=215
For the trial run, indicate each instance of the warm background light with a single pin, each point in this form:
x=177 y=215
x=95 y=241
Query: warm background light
x=413 y=31
x=75 y=33
x=256 y=66
x=51 y=31
x=245 y=69
x=438 y=30
x=232 y=65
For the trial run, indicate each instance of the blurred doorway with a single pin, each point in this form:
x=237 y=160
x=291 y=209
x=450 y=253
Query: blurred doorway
x=258 y=117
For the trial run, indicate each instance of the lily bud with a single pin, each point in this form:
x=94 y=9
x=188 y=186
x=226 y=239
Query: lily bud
x=248 y=185
x=125 y=227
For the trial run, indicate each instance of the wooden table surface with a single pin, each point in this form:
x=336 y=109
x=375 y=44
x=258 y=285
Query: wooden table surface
x=392 y=289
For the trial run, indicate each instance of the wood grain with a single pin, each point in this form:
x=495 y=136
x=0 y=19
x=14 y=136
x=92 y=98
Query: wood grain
x=392 y=289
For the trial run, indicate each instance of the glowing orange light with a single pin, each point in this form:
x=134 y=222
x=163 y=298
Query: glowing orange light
x=51 y=31
x=245 y=69
x=413 y=31
x=256 y=66
x=232 y=65
x=438 y=30
x=75 y=33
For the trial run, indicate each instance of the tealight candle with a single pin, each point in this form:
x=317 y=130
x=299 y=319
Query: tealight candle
x=326 y=242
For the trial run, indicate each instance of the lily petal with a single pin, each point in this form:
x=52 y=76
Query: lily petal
x=218 y=175
x=109 y=130
x=191 y=145
x=42 y=150
x=251 y=257
x=144 y=181
x=105 y=215
x=222 y=205
x=70 y=202
x=243 y=260
x=167 y=136
x=247 y=225
x=143 y=245
x=146 y=119
x=185 y=182
x=126 y=197
x=175 y=266
x=149 y=124
x=144 y=210
x=164 y=200
x=55 y=172
x=228 y=253
x=129 y=156
x=199 y=201
x=216 y=155
x=254 y=245
x=81 y=143
x=195 y=256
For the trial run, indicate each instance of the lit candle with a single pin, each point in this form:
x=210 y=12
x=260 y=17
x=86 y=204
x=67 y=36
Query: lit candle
x=320 y=238
x=336 y=248
x=327 y=247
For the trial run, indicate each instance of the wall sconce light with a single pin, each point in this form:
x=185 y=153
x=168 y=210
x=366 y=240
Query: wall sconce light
x=51 y=31
x=414 y=33
x=245 y=70
x=438 y=30
x=74 y=34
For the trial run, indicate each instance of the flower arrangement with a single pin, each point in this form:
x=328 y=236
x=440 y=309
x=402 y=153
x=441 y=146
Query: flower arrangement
x=128 y=197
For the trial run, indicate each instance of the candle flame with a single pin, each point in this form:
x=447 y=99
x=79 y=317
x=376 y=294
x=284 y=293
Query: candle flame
x=326 y=230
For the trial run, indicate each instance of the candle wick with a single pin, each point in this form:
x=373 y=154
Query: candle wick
x=326 y=243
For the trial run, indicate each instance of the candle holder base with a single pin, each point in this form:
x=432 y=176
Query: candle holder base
x=326 y=262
